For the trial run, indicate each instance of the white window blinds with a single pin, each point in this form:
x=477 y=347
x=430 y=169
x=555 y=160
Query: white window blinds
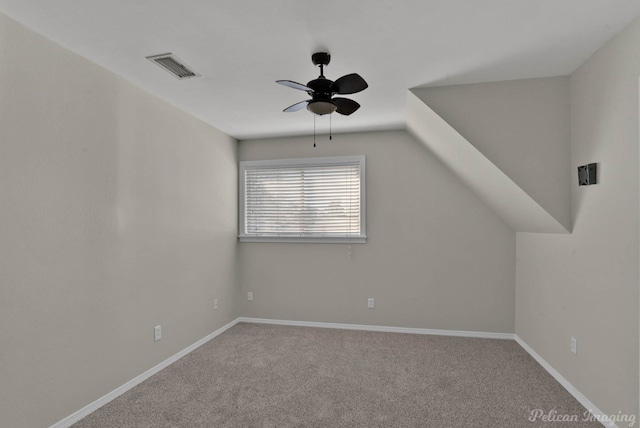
x=303 y=199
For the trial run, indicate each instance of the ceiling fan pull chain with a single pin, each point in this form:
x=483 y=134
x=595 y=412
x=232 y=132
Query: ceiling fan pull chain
x=330 y=127
x=314 y=130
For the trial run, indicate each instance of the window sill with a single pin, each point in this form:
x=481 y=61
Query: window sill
x=304 y=240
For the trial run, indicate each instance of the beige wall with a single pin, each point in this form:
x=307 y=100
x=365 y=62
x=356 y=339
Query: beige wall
x=586 y=284
x=436 y=256
x=522 y=126
x=117 y=213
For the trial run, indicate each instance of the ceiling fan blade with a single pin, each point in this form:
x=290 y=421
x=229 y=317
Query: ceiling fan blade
x=345 y=105
x=349 y=84
x=294 y=85
x=296 y=106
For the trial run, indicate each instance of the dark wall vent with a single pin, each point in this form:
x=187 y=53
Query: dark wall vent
x=173 y=65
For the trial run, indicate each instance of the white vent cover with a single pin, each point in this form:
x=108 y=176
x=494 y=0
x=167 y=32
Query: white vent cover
x=173 y=65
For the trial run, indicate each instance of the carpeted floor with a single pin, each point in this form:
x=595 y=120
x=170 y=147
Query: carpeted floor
x=257 y=375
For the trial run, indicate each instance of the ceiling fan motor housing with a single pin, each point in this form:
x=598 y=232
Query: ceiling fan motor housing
x=321 y=103
x=321 y=88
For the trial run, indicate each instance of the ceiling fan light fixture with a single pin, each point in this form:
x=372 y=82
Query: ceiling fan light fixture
x=321 y=107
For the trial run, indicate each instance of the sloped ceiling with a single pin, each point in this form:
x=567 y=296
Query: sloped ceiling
x=498 y=190
x=240 y=48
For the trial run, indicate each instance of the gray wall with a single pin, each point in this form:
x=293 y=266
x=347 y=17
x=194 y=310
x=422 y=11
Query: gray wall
x=117 y=213
x=436 y=256
x=522 y=126
x=586 y=284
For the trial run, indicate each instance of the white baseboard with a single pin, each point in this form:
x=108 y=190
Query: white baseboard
x=597 y=413
x=90 y=408
x=410 y=330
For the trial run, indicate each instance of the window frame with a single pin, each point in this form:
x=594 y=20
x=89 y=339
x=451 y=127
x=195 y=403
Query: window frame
x=301 y=163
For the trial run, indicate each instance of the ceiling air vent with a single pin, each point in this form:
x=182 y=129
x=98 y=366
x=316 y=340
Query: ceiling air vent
x=173 y=65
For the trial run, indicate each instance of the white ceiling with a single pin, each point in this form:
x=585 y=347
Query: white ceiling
x=241 y=47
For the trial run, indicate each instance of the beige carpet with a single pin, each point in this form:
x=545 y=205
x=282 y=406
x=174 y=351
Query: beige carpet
x=278 y=376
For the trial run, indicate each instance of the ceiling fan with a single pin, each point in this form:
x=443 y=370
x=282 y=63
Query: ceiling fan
x=322 y=90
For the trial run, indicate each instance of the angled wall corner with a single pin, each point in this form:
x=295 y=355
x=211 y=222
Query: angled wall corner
x=515 y=206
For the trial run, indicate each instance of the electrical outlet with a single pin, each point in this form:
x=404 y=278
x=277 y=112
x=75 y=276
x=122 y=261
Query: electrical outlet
x=574 y=345
x=250 y=296
x=157 y=333
x=215 y=304
x=370 y=302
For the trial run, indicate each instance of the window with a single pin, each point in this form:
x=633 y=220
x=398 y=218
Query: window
x=303 y=200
